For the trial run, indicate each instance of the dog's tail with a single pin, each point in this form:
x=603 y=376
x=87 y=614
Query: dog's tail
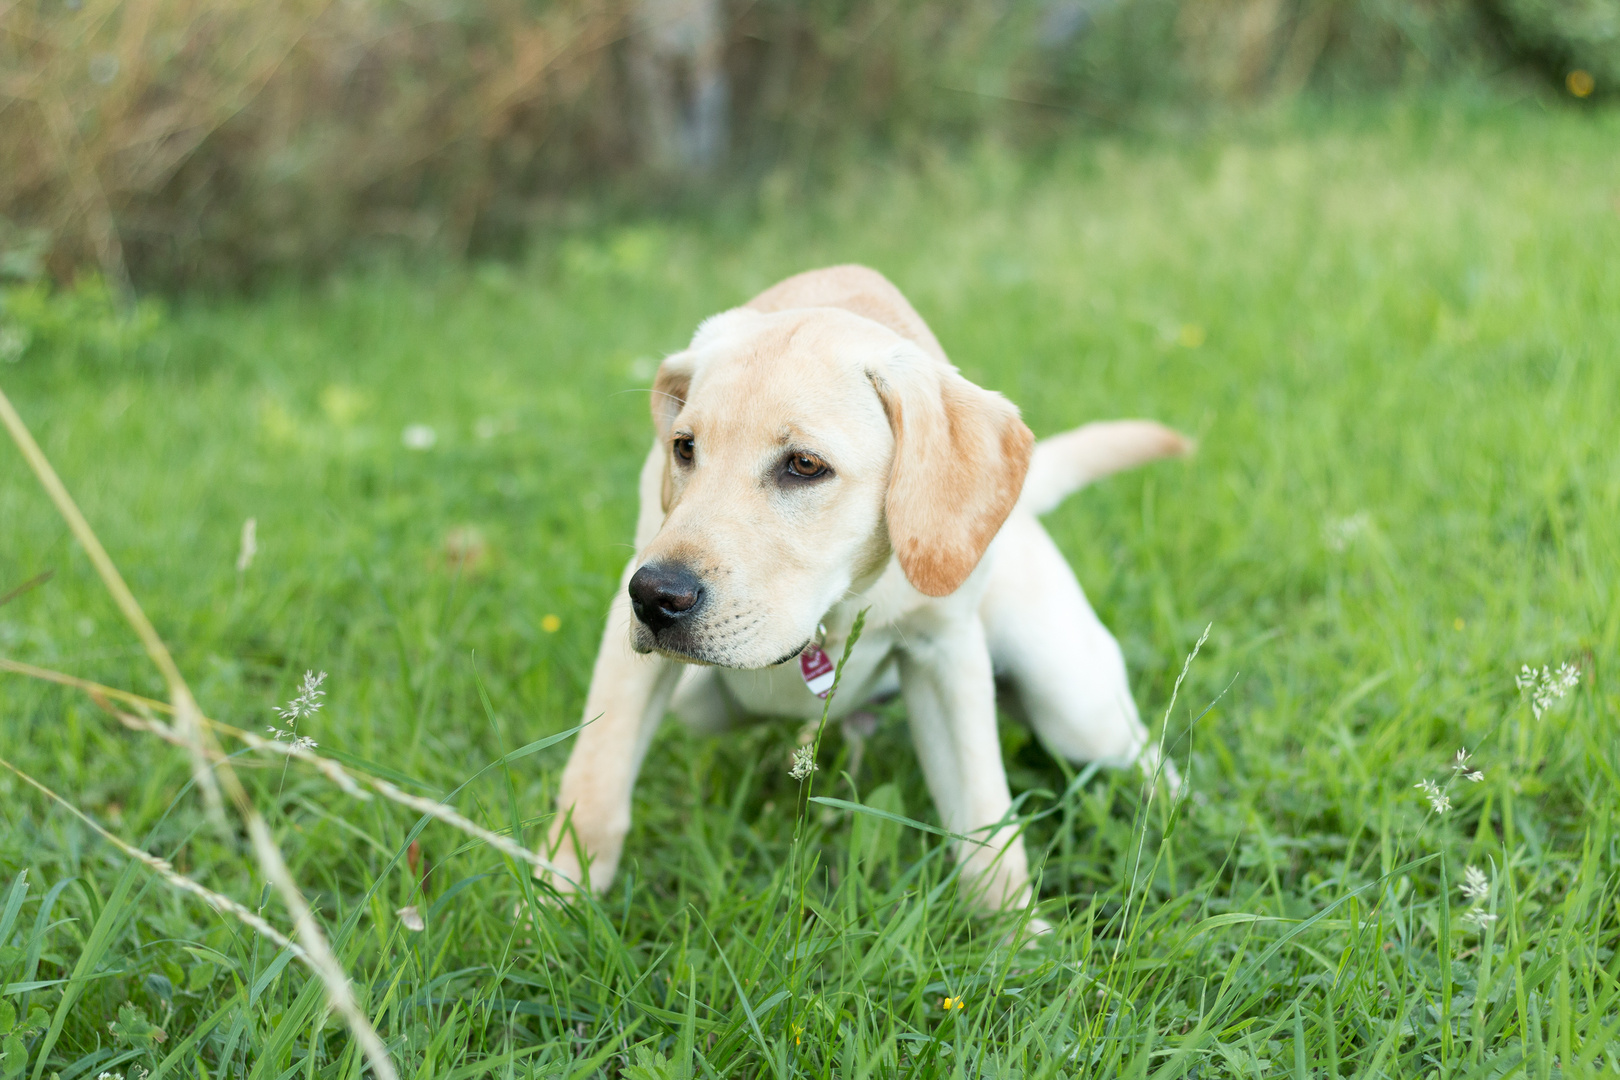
x=1065 y=463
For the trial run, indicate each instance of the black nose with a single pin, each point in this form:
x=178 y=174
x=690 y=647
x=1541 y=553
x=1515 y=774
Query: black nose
x=662 y=594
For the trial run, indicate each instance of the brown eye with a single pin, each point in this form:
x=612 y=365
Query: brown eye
x=684 y=448
x=805 y=466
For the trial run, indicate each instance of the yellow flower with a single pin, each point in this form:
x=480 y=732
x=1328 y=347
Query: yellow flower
x=952 y=1003
x=1581 y=83
x=798 y=1034
x=550 y=624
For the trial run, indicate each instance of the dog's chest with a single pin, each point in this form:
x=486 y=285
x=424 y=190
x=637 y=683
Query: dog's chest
x=781 y=690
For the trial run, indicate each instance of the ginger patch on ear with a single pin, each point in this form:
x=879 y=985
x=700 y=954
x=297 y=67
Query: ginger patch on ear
x=961 y=453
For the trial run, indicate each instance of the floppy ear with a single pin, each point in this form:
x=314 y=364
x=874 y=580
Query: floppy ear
x=669 y=391
x=960 y=455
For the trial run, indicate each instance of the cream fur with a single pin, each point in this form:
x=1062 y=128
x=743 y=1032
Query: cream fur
x=920 y=521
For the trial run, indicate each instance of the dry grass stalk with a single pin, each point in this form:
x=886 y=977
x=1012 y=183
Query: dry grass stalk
x=317 y=953
x=213 y=770
x=347 y=780
x=271 y=105
x=124 y=91
x=164 y=869
x=186 y=714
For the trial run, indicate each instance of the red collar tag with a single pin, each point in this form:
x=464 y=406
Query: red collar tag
x=817 y=669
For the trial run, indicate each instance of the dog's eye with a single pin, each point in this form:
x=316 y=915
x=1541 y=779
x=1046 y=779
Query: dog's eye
x=806 y=466
x=684 y=448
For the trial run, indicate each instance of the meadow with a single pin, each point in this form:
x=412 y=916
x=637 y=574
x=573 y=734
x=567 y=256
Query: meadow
x=1395 y=332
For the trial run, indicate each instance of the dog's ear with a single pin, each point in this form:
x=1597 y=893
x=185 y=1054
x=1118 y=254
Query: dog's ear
x=669 y=390
x=960 y=455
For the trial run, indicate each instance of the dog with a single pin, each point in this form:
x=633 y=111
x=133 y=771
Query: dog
x=817 y=455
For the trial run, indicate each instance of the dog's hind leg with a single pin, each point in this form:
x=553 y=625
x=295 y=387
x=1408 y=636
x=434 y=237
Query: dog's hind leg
x=1065 y=665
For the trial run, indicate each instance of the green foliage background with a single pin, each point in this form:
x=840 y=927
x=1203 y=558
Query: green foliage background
x=1393 y=330
x=222 y=143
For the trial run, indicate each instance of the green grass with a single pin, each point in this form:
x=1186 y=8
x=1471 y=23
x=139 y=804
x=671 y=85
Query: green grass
x=1395 y=334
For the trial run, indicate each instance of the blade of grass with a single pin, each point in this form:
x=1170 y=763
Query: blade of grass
x=185 y=709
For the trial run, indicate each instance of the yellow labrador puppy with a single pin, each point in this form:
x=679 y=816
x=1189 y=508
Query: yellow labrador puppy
x=816 y=454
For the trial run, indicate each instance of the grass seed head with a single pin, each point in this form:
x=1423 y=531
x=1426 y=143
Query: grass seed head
x=308 y=702
x=1439 y=800
x=803 y=762
x=1545 y=687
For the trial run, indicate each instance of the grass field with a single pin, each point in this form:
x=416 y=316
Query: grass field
x=1396 y=333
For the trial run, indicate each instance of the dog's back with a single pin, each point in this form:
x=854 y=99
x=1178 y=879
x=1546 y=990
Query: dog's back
x=1062 y=464
x=856 y=289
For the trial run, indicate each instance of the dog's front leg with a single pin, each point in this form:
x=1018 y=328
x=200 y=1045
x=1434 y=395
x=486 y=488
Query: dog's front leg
x=950 y=695
x=628 y=695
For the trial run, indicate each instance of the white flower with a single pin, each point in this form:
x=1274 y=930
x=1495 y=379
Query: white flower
x=418 y=437
x=1475 y=885
x=1438 y=799
x=803 y=762
x=1459 y=765
x=1546 y=686
x=308 y=702
x=305 y=705
x=1480 y=918
x=250 y=545
x=411 y=919
x=1339 y=532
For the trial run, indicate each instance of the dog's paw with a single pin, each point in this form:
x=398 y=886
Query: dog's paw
x=558 y=884
x=563 y=878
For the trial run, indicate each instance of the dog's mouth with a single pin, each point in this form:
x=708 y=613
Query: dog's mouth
x=692 y=648
x=672 y=644
x=685 y=657
x=789 y=656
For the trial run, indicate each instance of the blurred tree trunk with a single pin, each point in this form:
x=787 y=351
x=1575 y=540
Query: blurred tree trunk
x=682 y=98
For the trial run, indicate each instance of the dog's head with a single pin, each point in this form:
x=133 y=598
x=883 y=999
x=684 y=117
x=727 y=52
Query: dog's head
x=802 y=448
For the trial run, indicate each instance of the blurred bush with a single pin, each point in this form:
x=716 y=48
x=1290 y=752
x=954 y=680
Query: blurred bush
x=184 y=142
x=1567 y=36
x=208 y=140
x=78 y=326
